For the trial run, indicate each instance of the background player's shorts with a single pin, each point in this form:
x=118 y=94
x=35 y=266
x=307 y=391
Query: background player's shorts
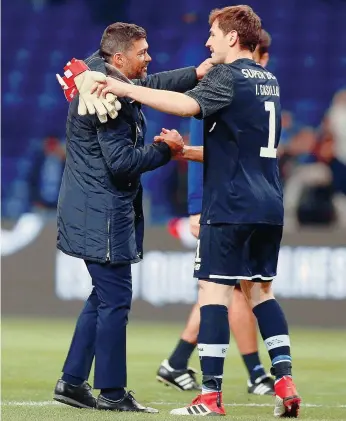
x=230 y=252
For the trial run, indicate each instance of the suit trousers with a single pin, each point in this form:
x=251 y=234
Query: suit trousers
x=101 y=328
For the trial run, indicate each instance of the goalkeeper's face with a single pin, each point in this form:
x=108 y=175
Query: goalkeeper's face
x=137 y=59
x=218 y=44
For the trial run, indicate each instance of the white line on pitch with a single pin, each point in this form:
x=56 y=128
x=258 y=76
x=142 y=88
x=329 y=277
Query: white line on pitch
x=48 y=403
x=307 y=405
x=29 y=403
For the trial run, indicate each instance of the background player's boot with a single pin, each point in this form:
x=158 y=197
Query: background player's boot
x=203 y=405
x=263 y=385
x=127 y=404
x=78 y=396
x=287 y=401
x=179 y=379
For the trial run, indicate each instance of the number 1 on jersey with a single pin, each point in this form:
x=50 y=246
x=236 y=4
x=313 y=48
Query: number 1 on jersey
x=270 y=150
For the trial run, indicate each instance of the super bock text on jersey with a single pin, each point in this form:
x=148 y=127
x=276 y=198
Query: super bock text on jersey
x=242 y=212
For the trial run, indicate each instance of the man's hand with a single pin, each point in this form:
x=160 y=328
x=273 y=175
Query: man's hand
x=204 y=68
x=110 y=86
x=78 y=78
x=194 y=224
x=173 y=139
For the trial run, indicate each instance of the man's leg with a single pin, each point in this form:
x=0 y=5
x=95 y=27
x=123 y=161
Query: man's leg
x=72 y=389
x=81 y=353
x=219 y=262
x=214 y=333
x=274 y=330
x=190 y=332
x=113 y=285
x=243 y=323
x=188 y=341
x=262 y=252
x=244 y=328
x=175 y=371
x=213 y=342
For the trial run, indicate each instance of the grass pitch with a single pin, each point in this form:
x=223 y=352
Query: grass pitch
x=33 y=352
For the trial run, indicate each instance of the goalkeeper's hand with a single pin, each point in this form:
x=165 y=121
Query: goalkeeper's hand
x=78 y=78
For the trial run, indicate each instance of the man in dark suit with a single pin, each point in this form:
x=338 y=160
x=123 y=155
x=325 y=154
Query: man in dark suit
x=100 y=217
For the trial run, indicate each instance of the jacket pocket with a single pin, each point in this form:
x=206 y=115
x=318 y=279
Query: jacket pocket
x=122 y=233
x=96 y=229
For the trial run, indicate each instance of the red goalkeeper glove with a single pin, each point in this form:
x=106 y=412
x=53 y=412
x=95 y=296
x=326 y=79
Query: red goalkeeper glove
x=78 y=78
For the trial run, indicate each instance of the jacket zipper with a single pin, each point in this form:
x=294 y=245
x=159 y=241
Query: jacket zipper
x=137 y=132
x=108 y=258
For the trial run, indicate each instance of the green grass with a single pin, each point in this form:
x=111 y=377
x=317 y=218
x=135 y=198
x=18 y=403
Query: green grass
x=33 y=352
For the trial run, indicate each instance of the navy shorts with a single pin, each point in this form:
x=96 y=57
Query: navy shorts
x=227 y=253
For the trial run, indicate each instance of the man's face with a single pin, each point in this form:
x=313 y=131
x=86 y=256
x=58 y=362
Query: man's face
x=261 y=59
x=218 y=43
x=136 y=60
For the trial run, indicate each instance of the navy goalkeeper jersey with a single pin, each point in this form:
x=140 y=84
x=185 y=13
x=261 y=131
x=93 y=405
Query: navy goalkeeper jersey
x=240 y=106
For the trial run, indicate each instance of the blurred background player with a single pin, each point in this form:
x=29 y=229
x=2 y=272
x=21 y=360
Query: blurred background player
x=174 y=371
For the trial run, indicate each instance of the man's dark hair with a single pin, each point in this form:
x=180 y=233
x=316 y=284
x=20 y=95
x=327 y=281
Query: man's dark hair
x=119 y=37
x=264 y=43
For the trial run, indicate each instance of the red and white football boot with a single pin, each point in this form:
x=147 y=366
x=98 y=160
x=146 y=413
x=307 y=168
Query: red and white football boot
x=203 y=405
x=287 y=400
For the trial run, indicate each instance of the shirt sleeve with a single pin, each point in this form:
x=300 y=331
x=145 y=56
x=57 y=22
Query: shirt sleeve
x=214 y=92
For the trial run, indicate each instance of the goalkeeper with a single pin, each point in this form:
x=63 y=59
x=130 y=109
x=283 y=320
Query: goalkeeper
x=100 y=217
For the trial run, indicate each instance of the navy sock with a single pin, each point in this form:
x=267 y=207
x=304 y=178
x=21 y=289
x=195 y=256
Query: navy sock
x=253 y=365
x=181 y=355
x=113 y=394
x=213 y=342
x=274 y=330
x=76 y=381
